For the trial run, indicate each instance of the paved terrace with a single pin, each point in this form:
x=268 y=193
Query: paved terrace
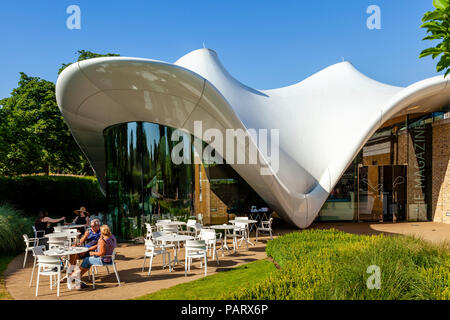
x=136 y=283
x=431 y=231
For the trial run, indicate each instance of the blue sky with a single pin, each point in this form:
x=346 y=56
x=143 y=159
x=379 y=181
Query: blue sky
x=265 y=44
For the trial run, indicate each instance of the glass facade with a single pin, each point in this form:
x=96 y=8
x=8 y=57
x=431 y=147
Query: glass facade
x=234 y=191
x=142 y=182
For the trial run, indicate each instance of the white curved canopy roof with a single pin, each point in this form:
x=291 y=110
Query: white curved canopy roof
x=324 y=120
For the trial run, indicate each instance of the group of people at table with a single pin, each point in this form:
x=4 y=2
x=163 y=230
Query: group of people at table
x=98 y=239
x=100 y=242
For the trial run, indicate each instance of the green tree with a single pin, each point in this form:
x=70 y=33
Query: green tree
x=33 y=135
x=84 y=55
x=437 y=24
x=35 y=138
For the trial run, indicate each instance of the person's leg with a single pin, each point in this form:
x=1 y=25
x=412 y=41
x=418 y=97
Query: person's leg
x=88 y=262
x=73 y=259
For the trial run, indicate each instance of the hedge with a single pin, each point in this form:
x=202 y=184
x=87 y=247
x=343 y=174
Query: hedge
x=60 y=195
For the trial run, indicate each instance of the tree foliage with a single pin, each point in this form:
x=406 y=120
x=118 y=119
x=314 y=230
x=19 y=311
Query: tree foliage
x=33 y=135
x=84 y=55
x=437 y=24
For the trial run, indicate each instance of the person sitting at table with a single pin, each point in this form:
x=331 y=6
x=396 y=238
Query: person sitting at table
x=88 y=240
x=43 y=222
x=81 y=218
x=104 y=249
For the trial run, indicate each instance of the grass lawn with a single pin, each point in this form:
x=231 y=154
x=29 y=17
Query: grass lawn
x=215 y=287
x=4 y=261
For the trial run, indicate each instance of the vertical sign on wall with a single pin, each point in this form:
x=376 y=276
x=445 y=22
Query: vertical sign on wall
x=419 y=171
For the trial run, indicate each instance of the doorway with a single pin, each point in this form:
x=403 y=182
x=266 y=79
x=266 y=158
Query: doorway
x=382 y=193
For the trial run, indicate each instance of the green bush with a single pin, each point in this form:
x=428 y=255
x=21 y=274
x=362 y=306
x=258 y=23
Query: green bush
x=60 y=195
x=330 y=264
x=12 y=226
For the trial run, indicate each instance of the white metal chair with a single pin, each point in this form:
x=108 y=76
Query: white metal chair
x=246 y=226
x=240 y=232
x=165 y=244
x=152 y=250
x=58 y=228
x=170 y=229
x=266 y=226
x=56 y=243
x=195 y=249
x=38 y=234
x=195 y=230
x=200 y=218
x=210 y=238
x=149 y=229
x=30 y=243
x=37 y=251
x=107 y=264
x=161 y=222
x=192 y=228
x=46 y=267
x=73 y=235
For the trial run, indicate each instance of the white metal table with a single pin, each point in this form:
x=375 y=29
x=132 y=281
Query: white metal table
x=60 y=252
x=171 y=223
x=175 y=238
x=74 y=226
x=225 y=227
x=246 y=236
x=60 y=235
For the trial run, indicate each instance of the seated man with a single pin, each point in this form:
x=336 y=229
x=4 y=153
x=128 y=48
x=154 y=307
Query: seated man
x=89 y=240
x=106 y=245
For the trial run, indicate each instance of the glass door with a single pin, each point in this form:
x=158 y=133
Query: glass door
x=398 y=203
x=370 y=194
x=382 y=193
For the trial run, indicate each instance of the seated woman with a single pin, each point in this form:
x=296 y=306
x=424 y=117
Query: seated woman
x=104 y=249
x=43 y=222
x=81 y=218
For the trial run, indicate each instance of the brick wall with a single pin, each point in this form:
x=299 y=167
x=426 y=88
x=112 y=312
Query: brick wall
x=441 y=171
x=213 y=209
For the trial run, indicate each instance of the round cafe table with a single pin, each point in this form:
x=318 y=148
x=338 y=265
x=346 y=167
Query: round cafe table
x=73 y=226
x=174 y=238
x=61 y=252
x=246 y=236
x=60 y=235
x=225 y=227
x=171 y=223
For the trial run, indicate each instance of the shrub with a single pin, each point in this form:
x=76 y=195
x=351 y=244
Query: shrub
x=60 y=195
x=12 y=226
x=330 y=264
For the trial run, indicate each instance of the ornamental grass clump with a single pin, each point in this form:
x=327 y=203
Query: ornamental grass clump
x=12 y=226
